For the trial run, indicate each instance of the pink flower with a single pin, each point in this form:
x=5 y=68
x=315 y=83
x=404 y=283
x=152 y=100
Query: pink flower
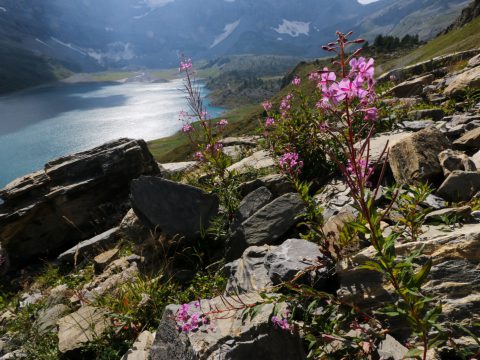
x=326 y=79
x=296 y=81
x=363 y=69
x=314 y=76
x=222 y=123
x=185 y=64
x=269 y=122
x=218 y=147
x=361 y=169
x=371 y=114
x=187 y=322
x=199 y=156
x=290 y=163
x=281 y=323
x=267 y=105
x=186 y=128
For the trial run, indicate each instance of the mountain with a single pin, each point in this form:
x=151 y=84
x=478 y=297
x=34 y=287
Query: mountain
x=89 y=35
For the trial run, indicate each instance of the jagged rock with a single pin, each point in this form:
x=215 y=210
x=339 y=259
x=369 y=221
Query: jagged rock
x=88 y=249
x=476 y=159
x=72 y=199
x=474 y=61
x=295 y=255
x=462 y=119
x=278 y=184
x=28 y=299
x=14 y=355
x=249 y=141
x=417 y=125
x=133 y=229
x=412 y=87
x=391 y=349
x=384 y=141
x=333 y=197
x=460 y=185
x=234 y=338
x=453 y=278
x=414 y=158
x=469 y=141
x=336 y=223
x=101 y=261
x=469 y=78
x=252 y=203
x=451 y=160
x=176 y=168
x=47 y=318
x=462 y=213
x=435 y=202
x=455 y=132
x=84 y=325
x=267 y=225
x=248 y=274
x=141 y=347
x=434 y=114
x=260 y=160
x=172 y=207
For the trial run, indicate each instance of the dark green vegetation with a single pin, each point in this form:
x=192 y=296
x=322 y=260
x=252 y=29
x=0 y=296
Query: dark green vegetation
x=22 y=69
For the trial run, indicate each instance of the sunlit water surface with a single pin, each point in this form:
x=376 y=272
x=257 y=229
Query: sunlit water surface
x=40 y=125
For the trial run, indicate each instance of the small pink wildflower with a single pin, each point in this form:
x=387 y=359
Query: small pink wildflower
x=281 y=323
x=185 y=64
x=290 y=163
x=186 y=128
x=222 y=123
x=269 y=122
x=371 y=114
x=296 y=81
x=218 y=147
x=267 y=105
x=188 y=322
x=199 y=156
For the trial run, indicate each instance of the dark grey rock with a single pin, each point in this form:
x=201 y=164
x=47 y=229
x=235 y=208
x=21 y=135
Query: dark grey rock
x=253 y=202
x=296 y=255
x=277 y=184
x=434 y=114
x=88 y=249
x=267 y=225
x=460 y=186
x=470 y=141
x=70 y=200
x=417 y=124
x=172 y=207
x=462 y=213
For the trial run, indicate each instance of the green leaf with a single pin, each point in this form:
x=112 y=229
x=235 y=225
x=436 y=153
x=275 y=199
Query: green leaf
x=414 y=353
x=419 y=278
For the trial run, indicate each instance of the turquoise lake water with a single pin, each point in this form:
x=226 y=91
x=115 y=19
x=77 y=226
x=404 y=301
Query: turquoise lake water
x=42 y=124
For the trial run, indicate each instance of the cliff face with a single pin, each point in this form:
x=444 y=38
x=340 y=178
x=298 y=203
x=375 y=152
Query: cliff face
x=467 y=15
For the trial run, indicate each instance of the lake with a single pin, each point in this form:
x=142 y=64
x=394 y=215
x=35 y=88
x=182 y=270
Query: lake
x=42 y=124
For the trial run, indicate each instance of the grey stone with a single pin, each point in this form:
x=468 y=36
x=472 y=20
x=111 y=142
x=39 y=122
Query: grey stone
x=333 y=197
x=469 y=141
x=260 y=160
x=460 y=186
x=434 y=114
x=249 y=141
x=412 y=87
x=451 y=160
x=391 y=349
x=80 y=327
x=140 y=349
x=176 y=168
x=70 y=200
x=174 y=208
x=234 y=338
x=278 y=184
x=294 y=256
x=267 y=225
x=435 y=202
x=462 y=213
x=248 y=274
x=47 y=318
x=415 y=158
x=467 y=78
x=133 y=229
x=89 y=248
x=101 y=261
x=252 y=203
x=28 y=299
x=417 y=124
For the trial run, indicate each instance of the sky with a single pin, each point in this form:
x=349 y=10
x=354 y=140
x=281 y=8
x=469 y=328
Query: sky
x=366 y=1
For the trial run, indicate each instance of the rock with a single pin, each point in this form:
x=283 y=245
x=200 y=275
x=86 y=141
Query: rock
x=260 y=160
x=84 y=325
x=174 y=208
x=415 y=158
x=141 y=347
x=253 y=202
x=278 y=184
x=460 y=186
x=391 y=349
x=248 y=141
x=379 y=143
x=72 y=199
x=236 y=152
x=417 y=125
x=469 y=141
x=462 y=119
x=451 y=160
x=435 y=202
x=28 y=299
x=457 y=131
x=333 y=197
x=47 y=318
x=14 y=355
x=248 y=274
x=294 y=256
x=412 y=87
x=233 y=338
x=177 y=168
x=467 y=79
x=453 y=278
x=474 y=61
x=434 y=114
x=101 y=261
x=462 y=213
x=133 y=229
x=88 y=249
x=267 y=225
x=476 y=159
x=334 y=225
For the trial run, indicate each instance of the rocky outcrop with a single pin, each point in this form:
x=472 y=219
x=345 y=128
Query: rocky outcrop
x=71 y=199
x=141 y=348
x=234 y=337
x=415 y=158
x=460 y=185
x=466 y=79
x=412 y=87
x=173 y=208
x=451 y=160
x=467 y=15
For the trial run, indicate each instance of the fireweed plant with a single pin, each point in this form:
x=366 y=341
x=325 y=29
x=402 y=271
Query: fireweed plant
x=205 y=135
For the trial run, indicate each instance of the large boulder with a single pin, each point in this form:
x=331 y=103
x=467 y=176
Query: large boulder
x=412 y=87
x=259 y=160
x=71 y=199
x=460 y=185
x=267 y=225
x=228 y=335
x=173 y=208
x=451 y=160
x=415 y=158
x=469 y=141
x=467 y=79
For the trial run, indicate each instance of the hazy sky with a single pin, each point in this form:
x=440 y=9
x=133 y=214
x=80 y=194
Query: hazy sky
x=366 y=1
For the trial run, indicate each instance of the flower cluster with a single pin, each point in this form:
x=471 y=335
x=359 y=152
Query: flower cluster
x=189 y=321
x=281 y=323
x=290 y=163
x=185 y=64
x=361 y=169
